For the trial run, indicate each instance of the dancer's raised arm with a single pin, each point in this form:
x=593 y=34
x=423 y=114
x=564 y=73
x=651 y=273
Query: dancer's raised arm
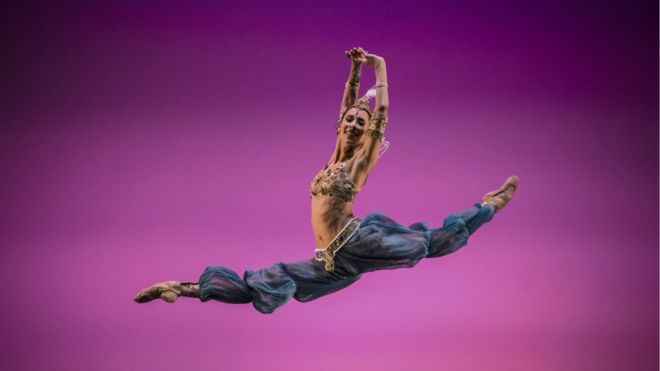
x=378 y=64
x=353 y=83
x=378 y=120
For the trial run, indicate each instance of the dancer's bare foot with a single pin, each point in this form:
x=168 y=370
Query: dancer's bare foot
x=498 y=198
x=169 y=291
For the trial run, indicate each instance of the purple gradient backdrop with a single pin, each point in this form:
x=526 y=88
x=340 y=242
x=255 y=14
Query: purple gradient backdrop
x=141 y=143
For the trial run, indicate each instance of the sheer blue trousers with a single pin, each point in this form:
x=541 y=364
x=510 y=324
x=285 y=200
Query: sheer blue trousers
x=379 y=243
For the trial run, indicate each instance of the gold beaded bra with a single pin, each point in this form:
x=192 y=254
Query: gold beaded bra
x=335 y=183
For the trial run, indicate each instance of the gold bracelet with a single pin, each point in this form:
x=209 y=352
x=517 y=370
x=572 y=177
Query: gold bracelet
x=354 y=78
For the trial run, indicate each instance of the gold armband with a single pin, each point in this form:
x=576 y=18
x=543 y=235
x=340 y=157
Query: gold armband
x=356 y=73
x=377 y=124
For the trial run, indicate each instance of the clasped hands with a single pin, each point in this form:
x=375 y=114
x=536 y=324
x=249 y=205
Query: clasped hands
x=359 y=55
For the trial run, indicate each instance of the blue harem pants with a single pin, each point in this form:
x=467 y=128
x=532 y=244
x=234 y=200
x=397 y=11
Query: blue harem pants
x=379 y=243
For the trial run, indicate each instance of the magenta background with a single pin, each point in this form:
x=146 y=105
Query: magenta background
x=141 y=143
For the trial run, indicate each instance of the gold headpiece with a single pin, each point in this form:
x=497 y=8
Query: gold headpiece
x=361 y=104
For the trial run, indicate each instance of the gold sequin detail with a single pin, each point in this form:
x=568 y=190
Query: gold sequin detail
x=334 y=183
x=328 y=253
x=377 y=124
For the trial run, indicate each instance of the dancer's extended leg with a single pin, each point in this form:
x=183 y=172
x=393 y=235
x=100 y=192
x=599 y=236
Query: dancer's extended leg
x=267 y=289
x=459 y=226
x=456 y=229
x=270 y=288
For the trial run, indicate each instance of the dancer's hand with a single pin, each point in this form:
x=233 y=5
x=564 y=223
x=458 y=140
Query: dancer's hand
x=373 y=60
x=360 y=55
x=357 y=55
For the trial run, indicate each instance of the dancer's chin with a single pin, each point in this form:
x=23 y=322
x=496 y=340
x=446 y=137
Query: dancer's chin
x=352 y=141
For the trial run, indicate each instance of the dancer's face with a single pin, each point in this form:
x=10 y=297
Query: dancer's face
x=353 y=126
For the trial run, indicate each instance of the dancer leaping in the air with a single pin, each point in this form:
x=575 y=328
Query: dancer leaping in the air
x=347 y=246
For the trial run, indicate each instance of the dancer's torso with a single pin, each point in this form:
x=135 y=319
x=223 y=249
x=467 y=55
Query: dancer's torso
x=333 y=190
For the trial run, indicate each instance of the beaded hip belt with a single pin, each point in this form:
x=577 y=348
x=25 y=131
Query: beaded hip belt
x=327 y=254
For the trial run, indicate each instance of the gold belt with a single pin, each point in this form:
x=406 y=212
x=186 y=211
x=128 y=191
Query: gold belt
x=327 y=254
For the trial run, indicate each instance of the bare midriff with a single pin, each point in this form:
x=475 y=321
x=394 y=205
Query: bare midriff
x=329 y=216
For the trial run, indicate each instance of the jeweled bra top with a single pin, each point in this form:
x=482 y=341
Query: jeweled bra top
x=334 y=183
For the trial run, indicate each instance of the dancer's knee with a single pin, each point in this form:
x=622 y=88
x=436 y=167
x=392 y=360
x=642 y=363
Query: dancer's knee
x=270 y=287
x=450 y=237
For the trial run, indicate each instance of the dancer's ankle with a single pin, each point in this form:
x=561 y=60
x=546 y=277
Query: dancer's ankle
x=189 y=289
